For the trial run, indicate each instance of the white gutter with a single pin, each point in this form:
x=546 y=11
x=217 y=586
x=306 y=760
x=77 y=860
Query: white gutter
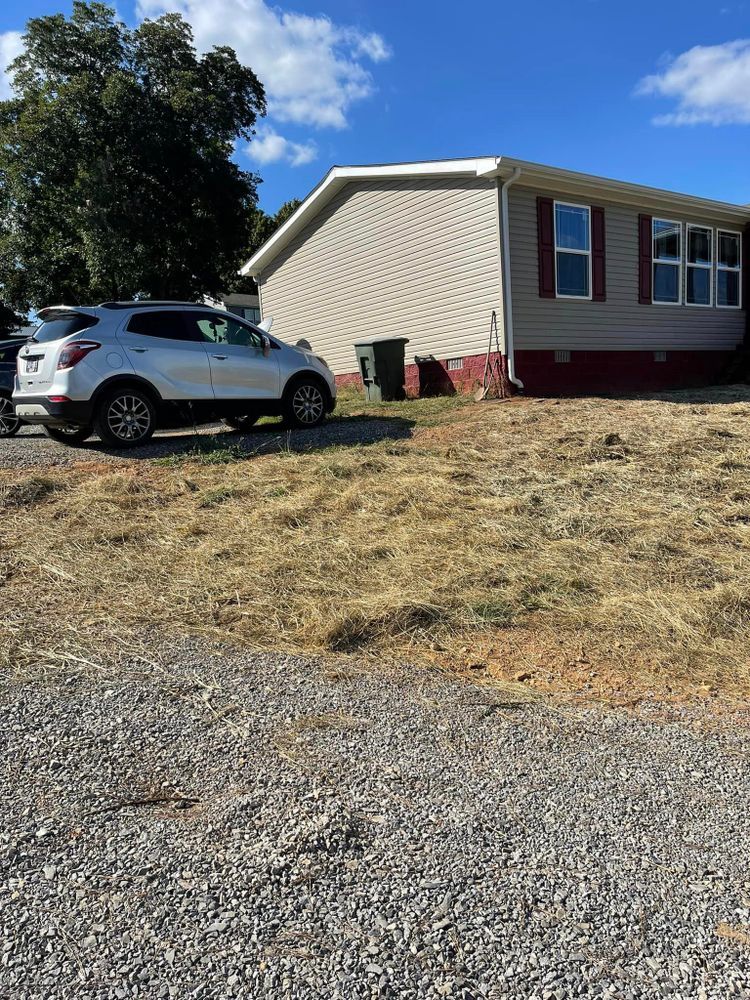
x=568 y=181
x=507 y=291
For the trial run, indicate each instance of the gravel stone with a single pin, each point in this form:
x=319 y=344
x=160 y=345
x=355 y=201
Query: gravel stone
x=31 y=448
x=216 y=825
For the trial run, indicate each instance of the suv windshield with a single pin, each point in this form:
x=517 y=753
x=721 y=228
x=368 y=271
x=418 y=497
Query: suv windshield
x=56 y=329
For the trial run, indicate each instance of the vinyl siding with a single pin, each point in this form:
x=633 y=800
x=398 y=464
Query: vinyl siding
x=412 y=258
x=620 y=323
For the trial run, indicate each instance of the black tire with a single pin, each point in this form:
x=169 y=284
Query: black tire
x=125 y=417
x=305 y=403
x=10 y=424
x=241 y=423
x=72 y=434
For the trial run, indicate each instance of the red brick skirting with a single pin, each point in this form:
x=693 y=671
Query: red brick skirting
x=586 y=372
x=618 y=371
x=432 y=378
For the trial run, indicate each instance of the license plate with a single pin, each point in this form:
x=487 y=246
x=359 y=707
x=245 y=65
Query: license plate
x=32 y=366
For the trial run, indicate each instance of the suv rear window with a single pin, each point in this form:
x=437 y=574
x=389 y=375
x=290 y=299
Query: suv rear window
x=169 y=325
x=56 y=329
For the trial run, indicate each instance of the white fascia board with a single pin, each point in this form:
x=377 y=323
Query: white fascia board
x=637 y=194
x=337 y=177
x=486 y=167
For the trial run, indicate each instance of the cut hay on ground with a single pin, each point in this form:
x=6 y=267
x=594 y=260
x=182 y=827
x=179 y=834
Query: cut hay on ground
x=584 y=542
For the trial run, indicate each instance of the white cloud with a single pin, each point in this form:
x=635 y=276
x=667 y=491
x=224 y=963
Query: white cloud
x=270 y=147
x=711 y=84
x=313 y=70
x=11 y=45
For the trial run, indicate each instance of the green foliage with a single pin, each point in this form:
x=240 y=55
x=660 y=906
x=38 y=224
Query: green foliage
x=287 y=209
x=207 y=450
x=10 y=321
x=262 y=228
x=116 y=177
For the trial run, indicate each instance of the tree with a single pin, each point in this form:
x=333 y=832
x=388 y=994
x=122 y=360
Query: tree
x=10 y=322
x=287 y=209
x=116 y=177
x=262 y=228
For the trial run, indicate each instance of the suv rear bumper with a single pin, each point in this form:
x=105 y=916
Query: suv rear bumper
x=40 y=410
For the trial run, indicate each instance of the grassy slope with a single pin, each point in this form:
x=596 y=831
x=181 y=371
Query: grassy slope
x=598 y=545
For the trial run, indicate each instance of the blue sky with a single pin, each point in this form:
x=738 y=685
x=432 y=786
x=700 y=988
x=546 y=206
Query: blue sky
x=556 y=81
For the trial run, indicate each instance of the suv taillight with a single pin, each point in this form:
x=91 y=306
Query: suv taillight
x=71 y=354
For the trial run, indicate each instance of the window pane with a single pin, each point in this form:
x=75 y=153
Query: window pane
x=9 y=353
x=251 y=313
x=666 y=240
x=56 y=329
x=666 y=283
x=573 y=274
x=698 y=286
x=729 y=250
x=727 y=288
x=699 y=246
x=214 y=329
x=241 y=335
x=168 y=325
x=572 y=227
x=208 y=327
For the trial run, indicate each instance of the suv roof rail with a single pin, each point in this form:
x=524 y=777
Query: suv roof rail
x=148 y=304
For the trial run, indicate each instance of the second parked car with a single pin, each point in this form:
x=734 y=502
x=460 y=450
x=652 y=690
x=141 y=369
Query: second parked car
x=122 y=369
x=10 y=422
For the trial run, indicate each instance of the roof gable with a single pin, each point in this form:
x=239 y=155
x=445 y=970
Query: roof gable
x=484 y=166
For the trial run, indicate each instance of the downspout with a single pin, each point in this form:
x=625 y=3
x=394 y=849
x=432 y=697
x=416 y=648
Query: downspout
x=505 y=267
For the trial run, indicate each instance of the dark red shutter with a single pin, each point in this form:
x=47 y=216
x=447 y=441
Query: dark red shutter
x=546 y=243
x=598 y=256
x=645 y=249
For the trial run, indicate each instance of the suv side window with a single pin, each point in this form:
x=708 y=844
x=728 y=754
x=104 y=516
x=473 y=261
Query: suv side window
x=215 y=329
x=167 y=324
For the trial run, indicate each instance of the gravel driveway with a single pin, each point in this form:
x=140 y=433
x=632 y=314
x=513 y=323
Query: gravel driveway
x=265 y=827
x=32 y=448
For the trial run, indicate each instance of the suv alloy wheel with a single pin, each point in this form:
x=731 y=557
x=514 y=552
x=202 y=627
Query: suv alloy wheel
x=125 y=417
x=305 y=404
x=9 y=422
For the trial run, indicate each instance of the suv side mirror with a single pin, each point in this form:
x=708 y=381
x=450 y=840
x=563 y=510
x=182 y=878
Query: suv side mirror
x=266 y=345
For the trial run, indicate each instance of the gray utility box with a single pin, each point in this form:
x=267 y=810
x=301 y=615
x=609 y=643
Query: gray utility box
x=381 y=364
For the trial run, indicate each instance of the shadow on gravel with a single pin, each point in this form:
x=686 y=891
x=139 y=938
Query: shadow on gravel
x=218 y=444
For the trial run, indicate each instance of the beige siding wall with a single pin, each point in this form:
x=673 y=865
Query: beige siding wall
x=413 y=258
x=620 y=323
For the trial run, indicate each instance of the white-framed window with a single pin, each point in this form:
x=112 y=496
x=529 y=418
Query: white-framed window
x=699 y=265
x=455 y=364
x=728 y=269
x=572 y=251
x=667 y=262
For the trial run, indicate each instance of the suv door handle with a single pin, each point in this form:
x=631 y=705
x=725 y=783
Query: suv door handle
x=138 y=350
x=219 y=357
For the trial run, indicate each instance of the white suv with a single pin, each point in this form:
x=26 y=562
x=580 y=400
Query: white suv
x=122 y=369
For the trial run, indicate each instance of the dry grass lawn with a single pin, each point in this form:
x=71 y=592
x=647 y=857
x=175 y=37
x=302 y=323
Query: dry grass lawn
x=596 y=545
